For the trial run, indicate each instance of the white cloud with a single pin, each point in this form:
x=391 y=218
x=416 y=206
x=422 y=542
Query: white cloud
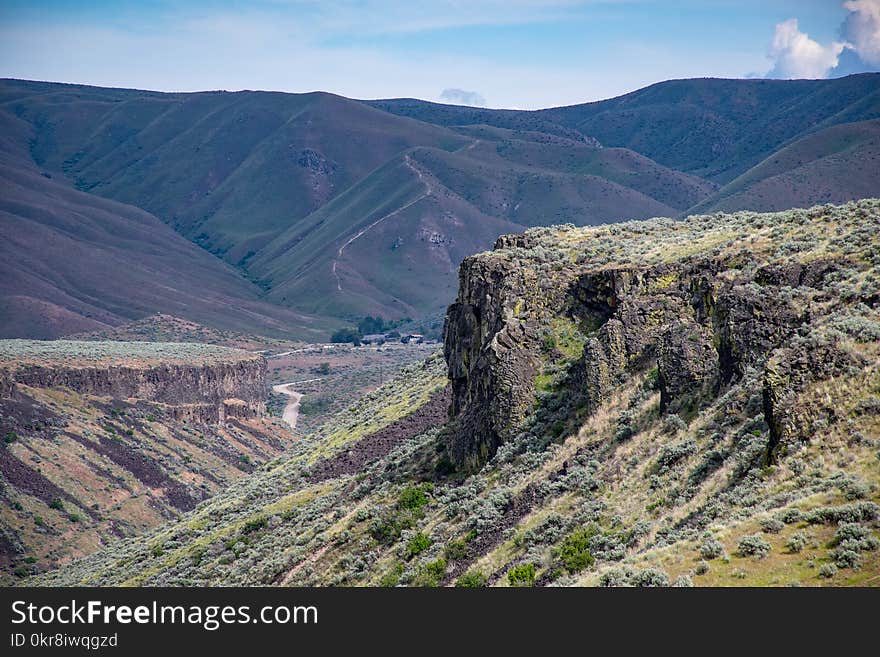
x=861 y=29
x=462 y=97
x=796 y=55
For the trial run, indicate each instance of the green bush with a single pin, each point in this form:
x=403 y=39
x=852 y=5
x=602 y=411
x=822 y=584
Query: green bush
x=431 y=573
x=455 y=550
x=413 y=497
x=254 y=524
x=522 y=575
x=796 y=542
x=753 y=545
x=575 y=551
x=828 y=570
x=846 y=557
x=10 y=437
x=471 y=580
x=417 y=544
x=56 y=504
x=856 y=512
x=711 y=548
x=651 y=577
x=771 y=525
x=392 y=577
x=346 y=335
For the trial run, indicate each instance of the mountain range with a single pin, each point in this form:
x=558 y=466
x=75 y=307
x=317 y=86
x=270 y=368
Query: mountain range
x=278 y=213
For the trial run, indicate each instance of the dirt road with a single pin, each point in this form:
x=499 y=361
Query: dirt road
x=291 y=411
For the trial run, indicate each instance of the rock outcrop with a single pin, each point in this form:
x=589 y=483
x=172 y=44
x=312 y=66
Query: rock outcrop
x=702 y=315
x=204 y=391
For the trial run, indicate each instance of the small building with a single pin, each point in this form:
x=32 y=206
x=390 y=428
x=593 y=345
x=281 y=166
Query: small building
x=374 y=338
x=418 y=338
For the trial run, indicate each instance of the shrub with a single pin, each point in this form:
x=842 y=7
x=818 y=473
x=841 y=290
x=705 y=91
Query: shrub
x=791 y=516
x=56 y=504
x=575 y=552
x=346 y=335
x=417 y=544
x=856 y=512
x=455 y=550
x=522 y=575
x=386 y=528
x=471 y=580
x=392 y=577
x=771 y=525
x=254 y=524
x=431 y=573
x=828 y=570
x=651 y=577
x=673 y=424
x=711 y=548
x=854 y=490
x=846 y=558
x=796 y=542
x=10 y=437
x=615 y=577
x=855 y=536
x=413 y=497
x=674 y=452
x=753 y=545
x=683 y=581
x=702 y=568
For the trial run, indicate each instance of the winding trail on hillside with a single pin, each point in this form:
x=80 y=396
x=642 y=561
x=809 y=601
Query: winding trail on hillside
x=291 y=410
x=428 y=191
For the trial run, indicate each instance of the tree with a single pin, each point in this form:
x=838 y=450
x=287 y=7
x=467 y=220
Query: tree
x=347 y=335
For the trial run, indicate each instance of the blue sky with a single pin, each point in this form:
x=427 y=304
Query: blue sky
x=502 y=53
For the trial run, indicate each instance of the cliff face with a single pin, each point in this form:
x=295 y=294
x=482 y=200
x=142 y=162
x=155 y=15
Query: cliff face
x=203 y=387
x=103 y=440
x=173 y=384
x=711 y=299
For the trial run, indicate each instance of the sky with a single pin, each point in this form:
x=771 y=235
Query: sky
x=498 y=53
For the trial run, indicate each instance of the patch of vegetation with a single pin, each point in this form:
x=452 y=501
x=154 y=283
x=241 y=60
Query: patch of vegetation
x=473 y=579
x=574 y=552
x=753 y=545
x=522 y=575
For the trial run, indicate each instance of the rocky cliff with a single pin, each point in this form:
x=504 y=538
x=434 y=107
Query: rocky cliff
x=106 y=439
x=203 y=380
x=699 y=303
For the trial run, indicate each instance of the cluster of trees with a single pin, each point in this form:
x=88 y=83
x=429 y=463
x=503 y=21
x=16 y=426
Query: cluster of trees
x=368 y=326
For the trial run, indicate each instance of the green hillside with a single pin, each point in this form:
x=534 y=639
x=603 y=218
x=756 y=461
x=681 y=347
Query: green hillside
x=645 y=404
x=340 y=208
x=828 y=166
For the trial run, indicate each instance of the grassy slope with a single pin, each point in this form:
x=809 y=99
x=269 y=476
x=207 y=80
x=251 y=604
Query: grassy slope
x=829 y=166
x=715 y=129
x=406 y=264
x=229 y=170
x=71 y=261
x=276 y=183
x=280 y=528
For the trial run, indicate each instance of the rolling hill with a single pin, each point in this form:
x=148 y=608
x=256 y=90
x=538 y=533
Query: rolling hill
x=339 y=208
x=831 y=165
x=712 y=128
x=72 y=261
x=391 y=245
